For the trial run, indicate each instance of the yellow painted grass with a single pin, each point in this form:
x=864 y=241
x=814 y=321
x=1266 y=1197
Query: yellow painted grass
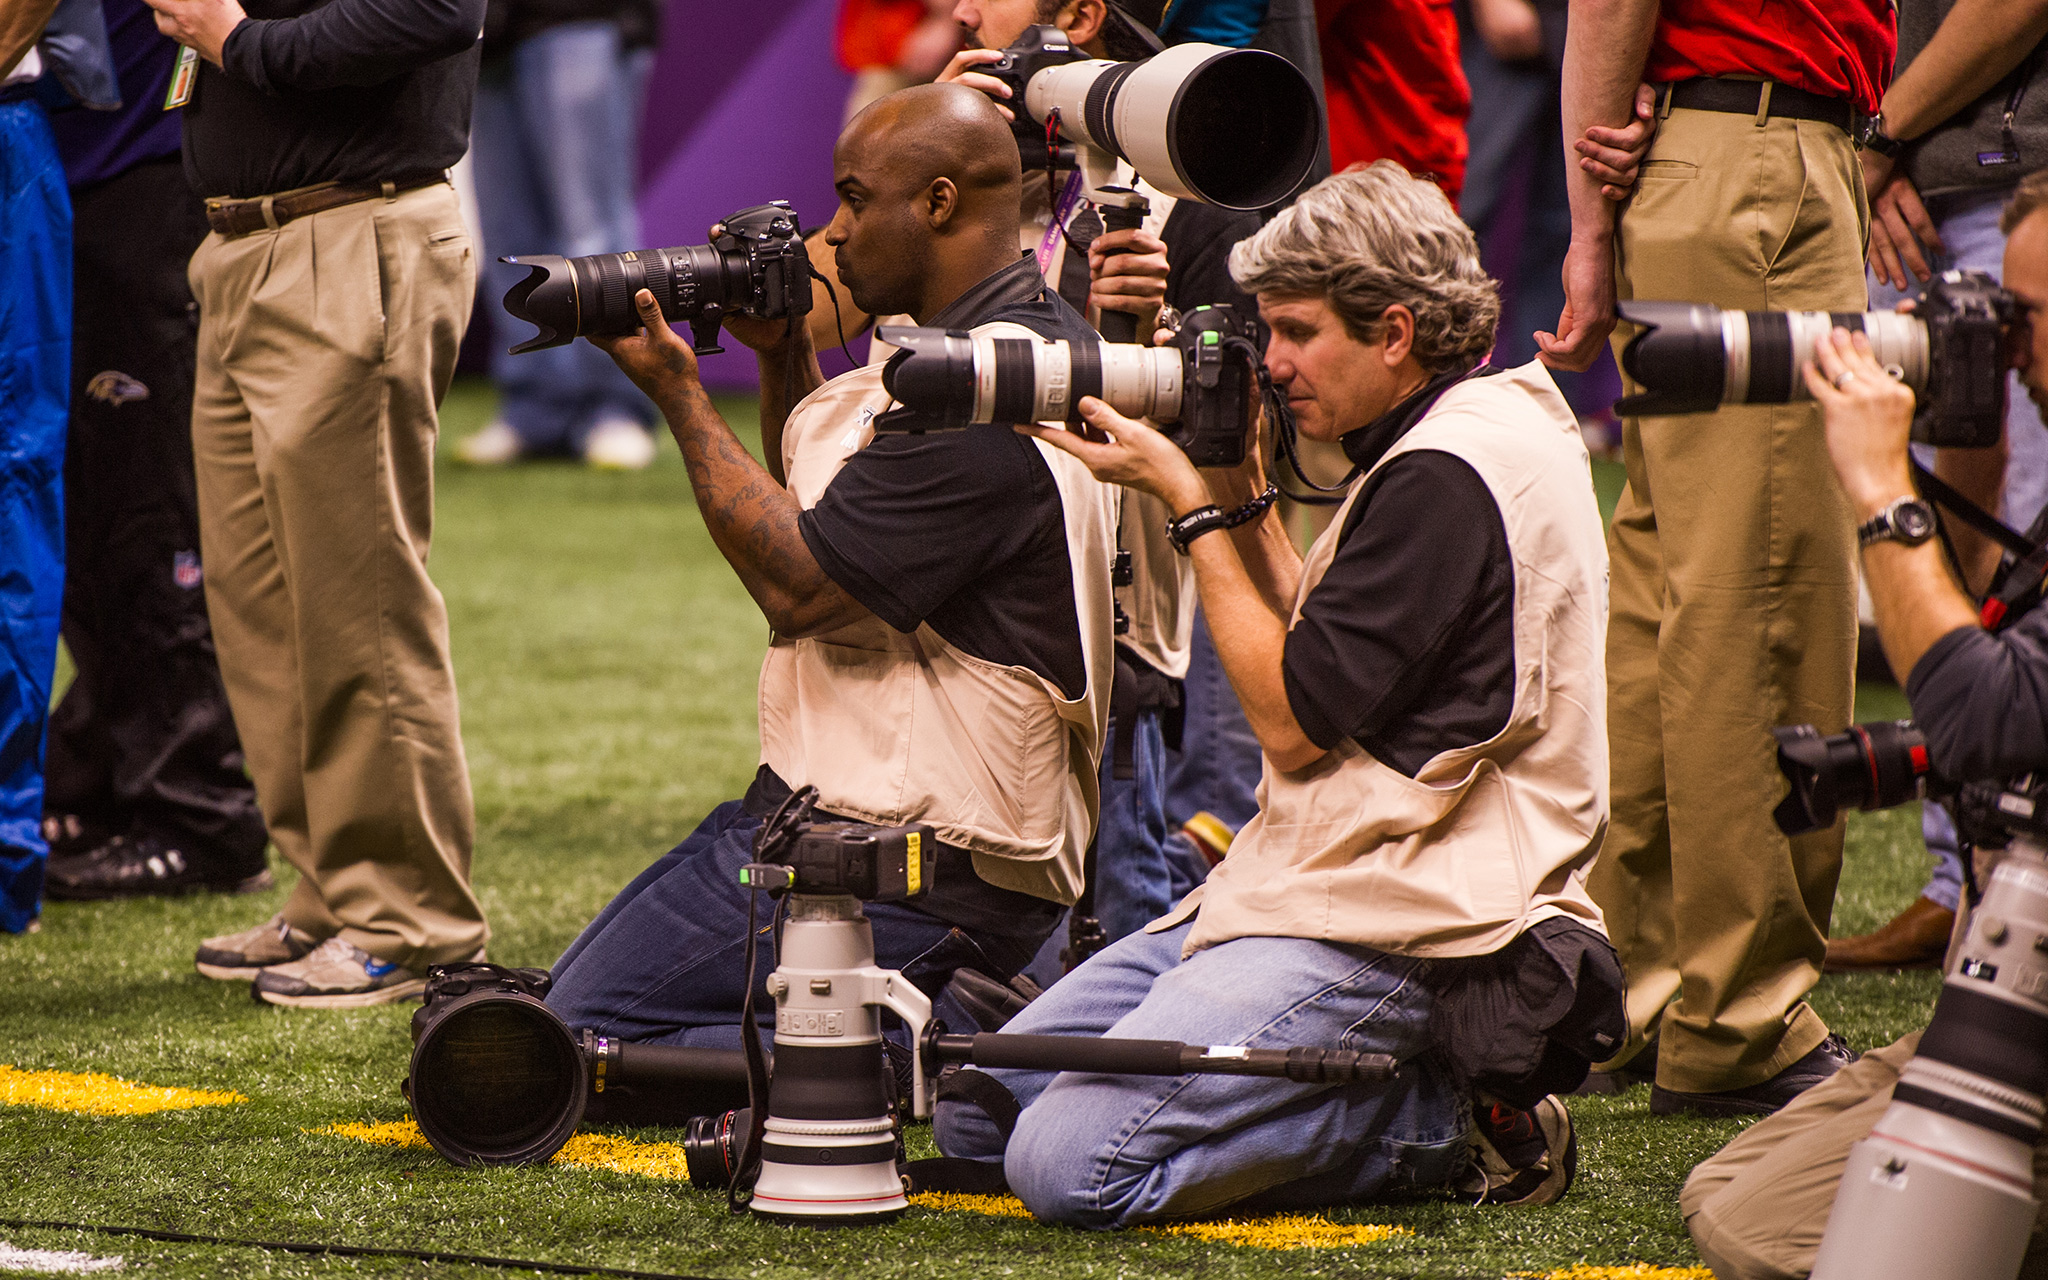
x=582 y=1151
x=1634 y=1271
x=92 y=1094
x=1283 y=1231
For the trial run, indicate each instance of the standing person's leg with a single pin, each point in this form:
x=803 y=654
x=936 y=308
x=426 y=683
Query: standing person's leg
x=581 y=115
x=1102 y=1151
x=538 y=396
x=159 y=741
x=35 y=344
x=342 y=430
x=1758 y=624
x=248 y=603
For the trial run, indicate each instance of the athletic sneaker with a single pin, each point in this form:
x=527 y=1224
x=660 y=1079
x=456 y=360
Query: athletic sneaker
x=618 y=444
x=237 y=956
x=494 y=446
x=1522 y=1157
x=337 y=974
x=142 y=867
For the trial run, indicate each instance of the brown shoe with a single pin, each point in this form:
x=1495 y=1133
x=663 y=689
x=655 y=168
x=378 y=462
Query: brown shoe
x=1916 y=938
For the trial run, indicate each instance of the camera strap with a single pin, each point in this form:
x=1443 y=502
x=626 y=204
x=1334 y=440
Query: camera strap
x=2017 y=586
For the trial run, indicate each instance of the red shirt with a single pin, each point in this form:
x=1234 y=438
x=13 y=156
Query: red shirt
x=1837 y=48
x=871 y=32
x=1395 y=87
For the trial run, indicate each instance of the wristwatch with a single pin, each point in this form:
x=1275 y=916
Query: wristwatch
x=1908 y=520
x=1870 y=135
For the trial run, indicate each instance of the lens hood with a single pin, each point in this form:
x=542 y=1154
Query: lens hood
x=496 y=1078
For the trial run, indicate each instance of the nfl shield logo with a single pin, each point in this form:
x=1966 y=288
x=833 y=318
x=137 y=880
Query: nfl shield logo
x=185 y=569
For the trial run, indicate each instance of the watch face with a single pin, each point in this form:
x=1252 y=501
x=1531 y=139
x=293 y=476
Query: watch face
x=1914 y=520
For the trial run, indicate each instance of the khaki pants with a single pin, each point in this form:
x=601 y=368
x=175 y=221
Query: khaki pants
x=1734 y=610
x=324 y=349
x=1758 y=1207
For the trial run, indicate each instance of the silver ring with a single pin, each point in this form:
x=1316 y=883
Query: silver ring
x=1843 y=378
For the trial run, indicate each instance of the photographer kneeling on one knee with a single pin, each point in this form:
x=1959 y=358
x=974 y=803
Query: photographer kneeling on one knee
x=940 y=603
x=1427 y=690
x=1759 y=1207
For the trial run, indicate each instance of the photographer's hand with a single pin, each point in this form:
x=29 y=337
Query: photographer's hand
x=200 y=25
x=1869 y=417
x=961 y=70
x=750 y=515
x=1127 y=272
x=1249 y=629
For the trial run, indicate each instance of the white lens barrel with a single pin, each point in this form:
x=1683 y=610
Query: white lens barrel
x=1043 y=380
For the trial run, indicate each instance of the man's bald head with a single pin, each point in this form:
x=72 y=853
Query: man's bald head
x=929 y=185
x=930 y=131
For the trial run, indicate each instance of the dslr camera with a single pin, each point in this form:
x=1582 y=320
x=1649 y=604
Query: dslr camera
x=1198 y=386
x=1952 y=350
x=757 y=267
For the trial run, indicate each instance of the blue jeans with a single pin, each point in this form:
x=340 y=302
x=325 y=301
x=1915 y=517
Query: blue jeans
x=1102 y=1151
x=35 y=393
x=1969 y=228
x=1217 y=767
x=665 y=962
x=555 y=144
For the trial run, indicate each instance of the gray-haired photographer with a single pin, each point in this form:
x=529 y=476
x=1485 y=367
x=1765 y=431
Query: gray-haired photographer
x=1929 y=1149
x=1427 y=690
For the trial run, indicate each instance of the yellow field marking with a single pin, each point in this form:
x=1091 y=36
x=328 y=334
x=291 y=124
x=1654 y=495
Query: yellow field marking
x=1283 y=1231
x=1633 y=1271
x=665 y=1160
x=583 y=1151
x=961 y=1202
x=89 y=1093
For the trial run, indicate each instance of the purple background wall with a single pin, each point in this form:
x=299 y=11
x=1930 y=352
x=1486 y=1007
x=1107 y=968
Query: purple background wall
x=743 y=107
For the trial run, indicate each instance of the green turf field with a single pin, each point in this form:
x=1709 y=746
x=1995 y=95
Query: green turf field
x=606 y=661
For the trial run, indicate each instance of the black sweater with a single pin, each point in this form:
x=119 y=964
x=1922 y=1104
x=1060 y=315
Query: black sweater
x=345 y=91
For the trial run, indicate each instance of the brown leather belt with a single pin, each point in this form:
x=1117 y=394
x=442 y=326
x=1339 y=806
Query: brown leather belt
x=239 y=217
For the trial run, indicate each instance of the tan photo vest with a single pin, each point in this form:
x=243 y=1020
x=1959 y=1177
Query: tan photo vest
x=895 y=728
x=1160 y=600
x=1484 y=840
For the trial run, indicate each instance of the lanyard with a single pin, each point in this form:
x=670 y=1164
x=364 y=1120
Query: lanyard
x=1062 y=209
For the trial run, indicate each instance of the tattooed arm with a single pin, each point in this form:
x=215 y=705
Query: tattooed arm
x=751 y=516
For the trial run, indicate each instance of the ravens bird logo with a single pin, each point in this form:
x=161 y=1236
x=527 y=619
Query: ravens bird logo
x=115 y=387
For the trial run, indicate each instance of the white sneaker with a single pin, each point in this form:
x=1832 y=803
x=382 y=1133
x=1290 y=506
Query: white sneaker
x=618 y=444
x=494 y=446
x=337 y=975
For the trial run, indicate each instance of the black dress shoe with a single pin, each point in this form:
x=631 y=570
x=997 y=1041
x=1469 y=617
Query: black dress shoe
x=1827 y=1057
x=141 y=867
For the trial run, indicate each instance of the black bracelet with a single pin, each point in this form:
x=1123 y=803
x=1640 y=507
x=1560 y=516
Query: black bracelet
x=1203 y=519
x=1194 y=524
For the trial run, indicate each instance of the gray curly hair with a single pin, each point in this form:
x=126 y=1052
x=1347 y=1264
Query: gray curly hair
x=1372 y=237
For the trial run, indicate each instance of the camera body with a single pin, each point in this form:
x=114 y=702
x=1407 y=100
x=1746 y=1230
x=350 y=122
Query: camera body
x=874 y=864
x=757 y=266
x=1197 y=387
x=1952 y=351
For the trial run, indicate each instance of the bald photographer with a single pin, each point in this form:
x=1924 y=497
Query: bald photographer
x=939 y=602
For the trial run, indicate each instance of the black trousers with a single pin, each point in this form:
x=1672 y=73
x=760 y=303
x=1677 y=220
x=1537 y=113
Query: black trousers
x=143 y=741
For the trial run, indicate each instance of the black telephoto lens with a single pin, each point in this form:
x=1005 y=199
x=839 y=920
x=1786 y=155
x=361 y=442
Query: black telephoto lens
x=1866 y=766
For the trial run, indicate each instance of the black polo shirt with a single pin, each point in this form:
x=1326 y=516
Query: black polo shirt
x=964 y=529
x=1407 y=644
